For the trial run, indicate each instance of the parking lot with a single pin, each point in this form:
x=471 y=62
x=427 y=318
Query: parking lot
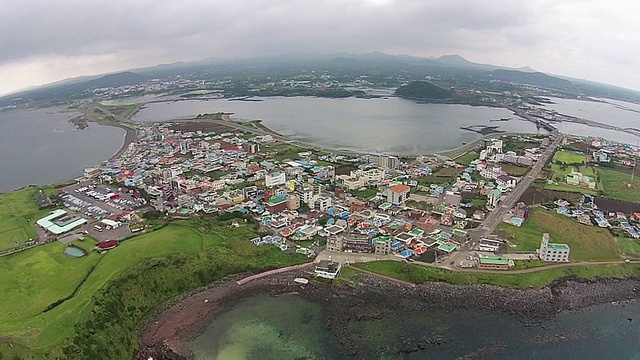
x=98 y=201
x=117 y=233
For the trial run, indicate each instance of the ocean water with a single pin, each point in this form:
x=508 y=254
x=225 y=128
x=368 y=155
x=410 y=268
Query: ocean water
x=289 y=327
x=41 y=147
x=264 y=328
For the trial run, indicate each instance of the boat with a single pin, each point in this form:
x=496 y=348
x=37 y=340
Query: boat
x=302 y=281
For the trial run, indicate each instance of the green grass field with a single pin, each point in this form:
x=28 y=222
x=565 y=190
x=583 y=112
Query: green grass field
x=568 y=157
x=18 y=215
x=35 y=278
x=419 y=274
x=588 y=243
x=467 y=158
x=365 y=194
x=628 y=247
x=618 y=185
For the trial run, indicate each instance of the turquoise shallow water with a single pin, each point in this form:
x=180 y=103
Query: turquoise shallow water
x=289 y=327
x=265 y=327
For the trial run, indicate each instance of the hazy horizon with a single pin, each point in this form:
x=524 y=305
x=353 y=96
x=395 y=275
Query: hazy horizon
x=56 y=41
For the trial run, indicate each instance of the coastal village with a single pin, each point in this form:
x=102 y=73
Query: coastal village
x=454 y=213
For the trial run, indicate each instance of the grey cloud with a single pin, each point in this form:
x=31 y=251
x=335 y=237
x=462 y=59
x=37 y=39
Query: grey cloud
x=539 y=33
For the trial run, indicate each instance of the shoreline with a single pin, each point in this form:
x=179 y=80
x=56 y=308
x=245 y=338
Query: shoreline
x=130 y=136
x=165 y=333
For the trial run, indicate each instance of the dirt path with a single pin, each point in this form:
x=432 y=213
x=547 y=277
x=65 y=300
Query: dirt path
x=530 y=270
x=548 y=267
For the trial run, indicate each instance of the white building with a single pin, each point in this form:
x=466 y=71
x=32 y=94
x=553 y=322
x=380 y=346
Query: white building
x=398 y=194
x=553 y=252
x=275 y=179
x=327 y=269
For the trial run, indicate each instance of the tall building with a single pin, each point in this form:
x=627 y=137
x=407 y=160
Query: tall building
x=184 y=147
x=493 y=198
x=334 y=243
x=251 y=147
x=382 y=246
x=553 y=252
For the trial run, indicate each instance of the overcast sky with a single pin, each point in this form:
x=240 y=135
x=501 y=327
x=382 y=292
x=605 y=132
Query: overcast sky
x=43 y=41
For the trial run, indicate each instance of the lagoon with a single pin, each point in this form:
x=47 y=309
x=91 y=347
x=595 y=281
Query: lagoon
x=391 y=125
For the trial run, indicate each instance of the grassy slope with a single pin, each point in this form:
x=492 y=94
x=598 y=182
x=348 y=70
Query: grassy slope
x=588 y=243
x=418 y=274
x=52 y=327
x=35 y=278
x=616 y=185
x=628 y=247
x=18 y=215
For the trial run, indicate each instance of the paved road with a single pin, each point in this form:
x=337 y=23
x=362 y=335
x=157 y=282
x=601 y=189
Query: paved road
x=496 y=216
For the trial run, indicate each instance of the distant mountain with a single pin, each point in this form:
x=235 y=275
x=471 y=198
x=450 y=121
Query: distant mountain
x=459 y=61
x=535 y=78
x=423 y=90
x=382 y=69
x=526 y=69
x=115 y=80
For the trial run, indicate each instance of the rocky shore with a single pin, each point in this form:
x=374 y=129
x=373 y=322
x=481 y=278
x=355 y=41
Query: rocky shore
x=375 y=298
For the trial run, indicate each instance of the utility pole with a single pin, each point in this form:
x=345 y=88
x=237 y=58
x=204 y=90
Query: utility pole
x=633 y=172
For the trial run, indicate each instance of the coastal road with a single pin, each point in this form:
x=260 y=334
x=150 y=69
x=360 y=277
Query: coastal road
x=495 y=217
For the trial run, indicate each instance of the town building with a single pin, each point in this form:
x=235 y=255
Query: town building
x=382 y=246
x=357 y=206
x=275 y=179
x=553 y=252
x=357 y=243
x=293 y=202
x=494 y=263
x=334 y=243
x=251 y=148
x=277 y=204
x=327 y=269
x=493 y=198
x=397 y=195
x=59 y=222
x=576 y=178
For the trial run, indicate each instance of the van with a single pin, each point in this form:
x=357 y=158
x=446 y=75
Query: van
x=98 y=228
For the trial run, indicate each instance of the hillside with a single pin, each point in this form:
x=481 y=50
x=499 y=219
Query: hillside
x=422 y=90
x=531 y=78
